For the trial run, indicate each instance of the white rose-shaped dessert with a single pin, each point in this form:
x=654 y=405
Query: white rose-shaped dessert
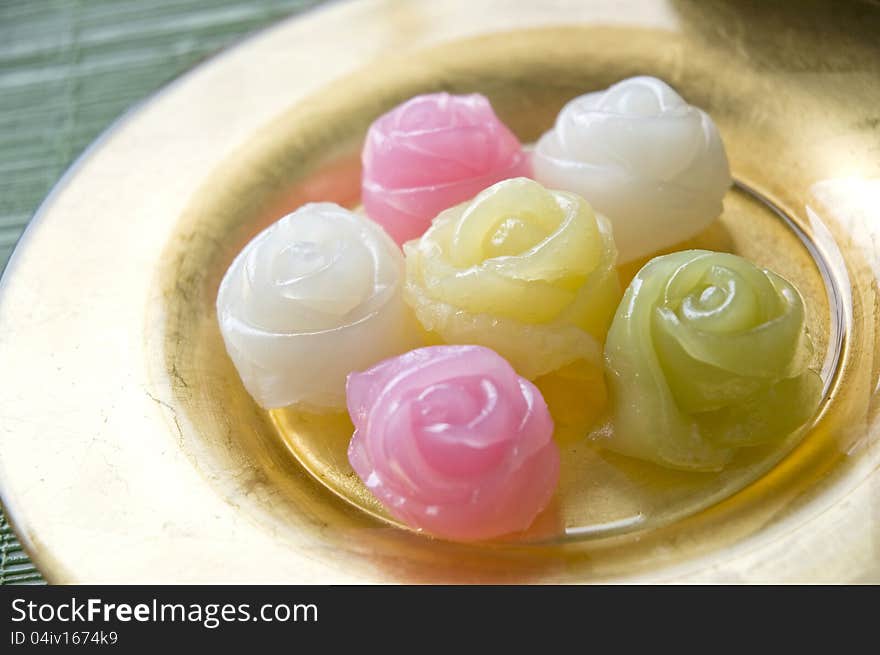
x=310 y=299
x=643 y=157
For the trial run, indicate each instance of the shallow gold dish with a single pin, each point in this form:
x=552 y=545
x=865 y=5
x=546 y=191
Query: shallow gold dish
x=130 y=452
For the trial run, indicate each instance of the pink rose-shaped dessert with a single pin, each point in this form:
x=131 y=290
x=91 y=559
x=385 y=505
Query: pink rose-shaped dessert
x=430 y=153
x=452 y=441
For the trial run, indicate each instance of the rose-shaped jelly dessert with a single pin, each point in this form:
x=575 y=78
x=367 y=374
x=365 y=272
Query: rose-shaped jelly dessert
x=643 y=157
x=707 y=353
x=522 y=270
x=430 y=153
x=310 y=299
x=452 y=441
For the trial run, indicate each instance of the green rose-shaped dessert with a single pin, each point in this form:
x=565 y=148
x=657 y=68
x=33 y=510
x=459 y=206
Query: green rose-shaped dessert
x=707 y=353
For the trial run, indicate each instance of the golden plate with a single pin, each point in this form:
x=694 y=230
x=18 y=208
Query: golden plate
x=129 y=452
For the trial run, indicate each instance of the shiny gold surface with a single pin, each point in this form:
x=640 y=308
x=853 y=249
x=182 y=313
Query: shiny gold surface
x=130 y=452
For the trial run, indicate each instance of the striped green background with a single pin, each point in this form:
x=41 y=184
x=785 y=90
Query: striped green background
x=67 y=69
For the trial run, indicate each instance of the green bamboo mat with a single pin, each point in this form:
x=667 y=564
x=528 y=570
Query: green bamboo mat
x=67 y=69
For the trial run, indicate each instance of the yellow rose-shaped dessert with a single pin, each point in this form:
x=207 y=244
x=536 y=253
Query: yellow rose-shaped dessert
x=707 y=353
x=520 y=269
